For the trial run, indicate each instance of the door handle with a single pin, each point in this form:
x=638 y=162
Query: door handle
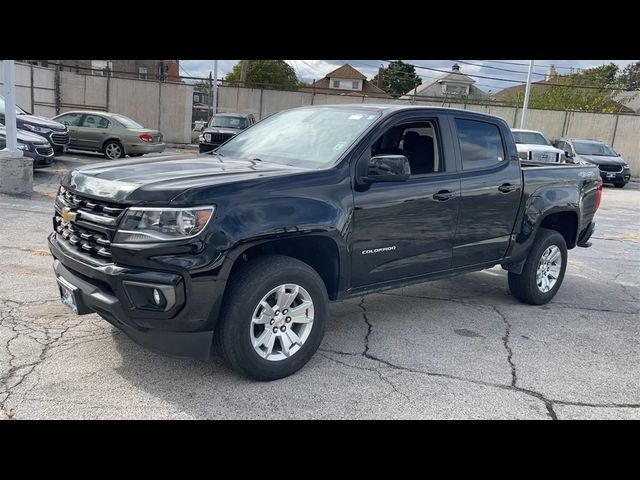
x=507 y=187
x=444 y=195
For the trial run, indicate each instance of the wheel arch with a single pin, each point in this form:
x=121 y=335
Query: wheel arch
x=115 y=139
x=320 y=252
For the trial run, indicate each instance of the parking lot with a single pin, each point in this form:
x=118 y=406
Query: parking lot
x=457 y=348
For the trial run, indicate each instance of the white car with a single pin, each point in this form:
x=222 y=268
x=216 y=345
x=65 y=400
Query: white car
x=533 y=145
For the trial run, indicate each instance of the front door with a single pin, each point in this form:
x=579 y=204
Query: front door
x=405 y=229
x=72 y=122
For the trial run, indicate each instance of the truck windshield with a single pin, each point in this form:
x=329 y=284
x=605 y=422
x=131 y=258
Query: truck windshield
x=531 y=138
x=592 y=148
x=229 y=122
x=313 y=137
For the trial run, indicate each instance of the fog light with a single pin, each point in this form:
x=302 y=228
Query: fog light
x=157 y=296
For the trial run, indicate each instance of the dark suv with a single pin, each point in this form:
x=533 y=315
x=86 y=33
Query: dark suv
x=222 y=127
x=56 y=133
x=612 y=167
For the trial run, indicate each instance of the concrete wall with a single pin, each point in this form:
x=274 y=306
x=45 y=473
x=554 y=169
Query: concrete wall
x=163 y=106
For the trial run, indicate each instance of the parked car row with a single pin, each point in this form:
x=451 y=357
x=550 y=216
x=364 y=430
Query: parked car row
x=112 y=134
x=534 y=146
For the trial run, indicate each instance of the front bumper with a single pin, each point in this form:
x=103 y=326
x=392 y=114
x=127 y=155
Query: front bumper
x=39 y=161
x=616 y=177
x=207 y=147
x=144 y=147
x=185 y=329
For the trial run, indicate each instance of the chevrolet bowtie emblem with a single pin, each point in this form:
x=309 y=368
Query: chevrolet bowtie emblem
x=68 y=215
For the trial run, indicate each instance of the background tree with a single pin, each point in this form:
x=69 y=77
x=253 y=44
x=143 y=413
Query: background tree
x=630 y=76
x=275 y=73
x=398 y=78
x=589 y=90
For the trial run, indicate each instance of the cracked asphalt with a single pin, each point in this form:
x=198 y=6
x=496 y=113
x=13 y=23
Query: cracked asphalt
x=457 y=348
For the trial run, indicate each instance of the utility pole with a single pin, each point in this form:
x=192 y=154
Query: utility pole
x=243 y=72
x=527 y=92
x=16 y=170
x=210 y=96
x=380 y=77
x=215 y=87
x=10 y=109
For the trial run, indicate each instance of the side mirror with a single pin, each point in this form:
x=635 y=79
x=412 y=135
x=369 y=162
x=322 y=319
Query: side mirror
x=387 y=168
x=568 y=154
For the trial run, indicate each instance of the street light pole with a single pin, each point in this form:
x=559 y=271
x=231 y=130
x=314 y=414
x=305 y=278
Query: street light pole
x=10 y=109
x=215 y=87
x=523 y=119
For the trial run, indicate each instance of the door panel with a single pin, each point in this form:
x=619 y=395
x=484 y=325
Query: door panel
x=490 y=194
x=93 y=131
x=405 y=229
x=405 y=219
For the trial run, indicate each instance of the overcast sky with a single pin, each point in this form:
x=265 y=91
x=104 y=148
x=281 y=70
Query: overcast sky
x=502 y=70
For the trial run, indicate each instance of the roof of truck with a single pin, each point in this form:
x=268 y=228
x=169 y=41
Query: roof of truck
x=388 y=108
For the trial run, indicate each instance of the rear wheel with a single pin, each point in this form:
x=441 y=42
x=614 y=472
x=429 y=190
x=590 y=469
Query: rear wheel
x=113 y=150
x=273 y=318
x=543 y=270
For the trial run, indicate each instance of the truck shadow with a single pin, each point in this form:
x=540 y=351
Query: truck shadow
x=198 y=389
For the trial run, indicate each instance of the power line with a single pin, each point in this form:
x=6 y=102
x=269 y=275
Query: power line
x=591 y=87
x=496 y=68
x=525 y=64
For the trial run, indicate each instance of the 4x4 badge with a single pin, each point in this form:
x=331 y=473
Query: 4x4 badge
x=68 y=215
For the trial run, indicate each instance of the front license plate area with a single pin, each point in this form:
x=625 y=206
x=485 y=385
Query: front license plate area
x=611 y=175
x=68 y=294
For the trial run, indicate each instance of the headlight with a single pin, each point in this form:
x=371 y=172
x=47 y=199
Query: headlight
x=207 y=137
x=33 y=128
x=141 y=225
x=23 y=146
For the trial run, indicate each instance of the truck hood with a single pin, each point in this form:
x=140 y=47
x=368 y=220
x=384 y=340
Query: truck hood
x=24 y=137
x=40 y=122
x=161 y=179
x=526 y=147
x=601 y=159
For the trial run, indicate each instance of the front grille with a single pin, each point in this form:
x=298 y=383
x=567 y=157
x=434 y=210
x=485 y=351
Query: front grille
x=60 y=138
x=544 y=156
x=221 y=137
x=94 y=227
x=44 y=151
x=610 y=168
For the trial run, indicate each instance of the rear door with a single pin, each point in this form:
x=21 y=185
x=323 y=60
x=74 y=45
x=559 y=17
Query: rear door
x=93 y=131
x=491 y=188
x=405 y=229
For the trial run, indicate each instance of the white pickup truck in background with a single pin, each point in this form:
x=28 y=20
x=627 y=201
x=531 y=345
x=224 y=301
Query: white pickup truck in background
x=533 y=145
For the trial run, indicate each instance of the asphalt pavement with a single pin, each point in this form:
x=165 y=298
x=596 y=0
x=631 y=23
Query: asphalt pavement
x=457 y=348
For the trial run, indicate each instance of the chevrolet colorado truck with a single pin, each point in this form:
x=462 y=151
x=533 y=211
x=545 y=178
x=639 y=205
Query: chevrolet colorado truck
x=242 y=248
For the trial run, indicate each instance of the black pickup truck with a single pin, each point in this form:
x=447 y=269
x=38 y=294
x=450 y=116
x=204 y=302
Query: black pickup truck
x=244 y=247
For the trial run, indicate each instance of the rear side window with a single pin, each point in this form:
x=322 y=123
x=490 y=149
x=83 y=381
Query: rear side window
x=480 y=144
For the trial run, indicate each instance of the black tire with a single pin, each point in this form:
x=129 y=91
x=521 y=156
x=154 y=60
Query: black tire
x=136 y=154
x=619 y=185
x=113 y=143
x=524 y=286
x=246 y=289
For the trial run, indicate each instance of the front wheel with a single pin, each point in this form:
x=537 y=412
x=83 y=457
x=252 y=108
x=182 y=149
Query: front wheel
x=273 y=318
x=543 y=270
